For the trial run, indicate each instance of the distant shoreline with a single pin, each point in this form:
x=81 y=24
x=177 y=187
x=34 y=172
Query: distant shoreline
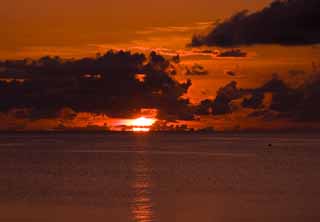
x=46 y=132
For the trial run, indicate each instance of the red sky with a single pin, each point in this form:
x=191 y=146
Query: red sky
x=82 y=28
x=74 y=25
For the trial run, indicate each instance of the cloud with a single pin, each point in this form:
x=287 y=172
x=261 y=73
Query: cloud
x=274 y=98
x=284 y=22
x=199 y=26
x=196 y=70
x=66 y=94
x=221 y=105
x=232 y=53
x=106 y=84
x=230 y=73
x=254 y=101
x=206 y=51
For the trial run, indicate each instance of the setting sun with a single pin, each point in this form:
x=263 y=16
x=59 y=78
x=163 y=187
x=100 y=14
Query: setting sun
x=144 y=111
x=142 y=121
x=142 y=124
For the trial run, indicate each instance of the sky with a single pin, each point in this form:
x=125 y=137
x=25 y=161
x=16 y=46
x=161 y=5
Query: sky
x=75 y=25
x=256 y=70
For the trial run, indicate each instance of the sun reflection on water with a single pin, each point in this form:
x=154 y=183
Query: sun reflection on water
x=142 y=205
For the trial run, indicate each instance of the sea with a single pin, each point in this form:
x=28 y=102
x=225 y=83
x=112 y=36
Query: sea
x=159 y=177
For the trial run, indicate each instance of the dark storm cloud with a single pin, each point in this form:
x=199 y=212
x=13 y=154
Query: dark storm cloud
x=299 y=104
x=232 y=53
x=106 y=84
x=286 y=22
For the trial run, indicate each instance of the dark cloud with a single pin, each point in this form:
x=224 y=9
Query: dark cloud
x=231 y=73
x=106 y=84
x=285 y=22
x=266 y=115
x=255 y=101
x=206 y=51
x=232 y=53
x=176 y=59
x=221 y=105
x=300 y=104
x=196 y=70
x=205 y=107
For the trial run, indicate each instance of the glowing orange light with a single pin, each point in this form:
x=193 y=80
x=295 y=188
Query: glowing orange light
x=140 y=129
x=142 y=121
x=142 y=124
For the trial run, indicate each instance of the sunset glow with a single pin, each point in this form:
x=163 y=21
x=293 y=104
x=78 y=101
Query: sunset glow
x=147 y=111
x=156 y=61
x=140 y=129
x=142 y=124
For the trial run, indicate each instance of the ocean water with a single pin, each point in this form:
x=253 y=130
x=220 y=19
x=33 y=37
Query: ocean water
x=159 y=177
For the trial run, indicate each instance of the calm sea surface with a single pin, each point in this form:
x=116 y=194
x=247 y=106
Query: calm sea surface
x=159 y=178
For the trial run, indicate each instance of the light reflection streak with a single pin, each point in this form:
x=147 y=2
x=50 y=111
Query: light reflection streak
x=142 y=204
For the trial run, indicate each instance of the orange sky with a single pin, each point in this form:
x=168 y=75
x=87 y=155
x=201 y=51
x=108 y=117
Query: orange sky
x=82 y=28
x=74 y=25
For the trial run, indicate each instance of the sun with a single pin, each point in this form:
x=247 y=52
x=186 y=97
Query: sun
x=142 y=121
x=142 y=124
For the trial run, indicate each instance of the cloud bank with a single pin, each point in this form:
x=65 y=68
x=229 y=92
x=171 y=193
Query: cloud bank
x=232 y=53
x=107 y=84
x=274 y=98
x=284 y=22
x=89 y=93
